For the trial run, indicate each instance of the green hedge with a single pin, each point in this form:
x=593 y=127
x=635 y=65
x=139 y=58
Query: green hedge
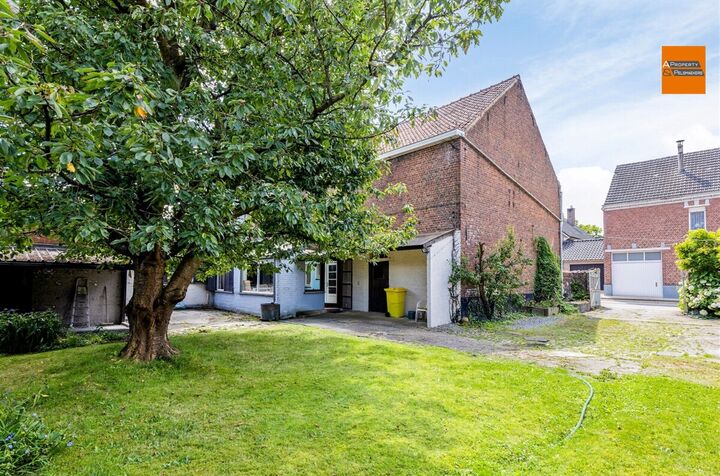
x=29 y=332
x=548 y=279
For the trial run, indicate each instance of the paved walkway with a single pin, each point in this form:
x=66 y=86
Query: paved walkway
x=660 y=312
x=693 y=336
x=369 y=324
x=184 y=320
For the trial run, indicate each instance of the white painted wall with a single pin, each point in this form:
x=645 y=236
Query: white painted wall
x=408 y=269
x=360 y=285
x=196 y=296
x=290 y=293
x=439 y=267
x=129 y=283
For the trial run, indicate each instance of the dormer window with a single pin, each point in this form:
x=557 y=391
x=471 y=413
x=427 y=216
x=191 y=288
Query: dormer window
x=696 y=218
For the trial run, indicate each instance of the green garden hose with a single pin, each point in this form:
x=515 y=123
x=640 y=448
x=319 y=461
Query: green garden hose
x=584 y=408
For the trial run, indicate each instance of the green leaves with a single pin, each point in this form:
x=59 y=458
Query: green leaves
x=548 y=276
x=699 y=257
x=232 y=130
x=495 y=277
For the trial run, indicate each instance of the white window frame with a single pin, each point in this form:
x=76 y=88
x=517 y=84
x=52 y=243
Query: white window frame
x=692 y=210
x=644 y=254
x=243 y=276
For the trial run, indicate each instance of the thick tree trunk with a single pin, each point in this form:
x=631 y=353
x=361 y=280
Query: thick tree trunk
x=152 y=304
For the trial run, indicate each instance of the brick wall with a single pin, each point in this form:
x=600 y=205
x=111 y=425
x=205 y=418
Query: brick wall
x=452 y=186
x=509 y=136
x=432 y=177
x=652 y=227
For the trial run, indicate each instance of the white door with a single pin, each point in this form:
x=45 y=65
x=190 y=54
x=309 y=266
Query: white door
x=331 y=281
x=637 y=274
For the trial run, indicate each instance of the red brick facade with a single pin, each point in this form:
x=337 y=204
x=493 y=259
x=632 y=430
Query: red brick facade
x=654 y=226
x=432 y=178
x=453 y=186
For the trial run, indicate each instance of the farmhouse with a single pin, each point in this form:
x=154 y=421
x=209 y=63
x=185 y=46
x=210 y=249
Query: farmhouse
x=473 y=169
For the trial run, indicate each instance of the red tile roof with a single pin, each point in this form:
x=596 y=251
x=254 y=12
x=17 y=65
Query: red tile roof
x=459 y=114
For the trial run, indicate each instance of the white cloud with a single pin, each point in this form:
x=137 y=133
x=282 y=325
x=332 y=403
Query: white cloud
x=585 y=189
x=594 y=99
x=634 y=131
x=606 y=59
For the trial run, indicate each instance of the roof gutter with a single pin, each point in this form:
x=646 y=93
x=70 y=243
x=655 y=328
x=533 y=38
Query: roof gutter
x=438 y=139
x=659 y=201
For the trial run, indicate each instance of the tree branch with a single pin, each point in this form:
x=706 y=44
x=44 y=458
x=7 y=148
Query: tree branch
x=176 y=288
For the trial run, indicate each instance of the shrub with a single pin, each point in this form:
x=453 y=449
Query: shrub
x=29 y=332
x=495 y=278
x=567 y=308
x=578 y=288
x=699 y=255
x=26 y=444
x=548 y=279
x=75 y=339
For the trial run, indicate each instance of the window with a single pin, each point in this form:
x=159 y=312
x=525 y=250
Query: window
x=635 y=256
x=697 y=218
x=313 y=280
x=225 y=282
x=258 y=279
x=638 y=256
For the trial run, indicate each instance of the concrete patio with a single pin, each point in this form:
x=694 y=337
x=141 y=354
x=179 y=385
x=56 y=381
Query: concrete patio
x=376 y=325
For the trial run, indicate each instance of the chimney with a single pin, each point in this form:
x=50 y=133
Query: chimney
x=571 y=215
x=681 y=156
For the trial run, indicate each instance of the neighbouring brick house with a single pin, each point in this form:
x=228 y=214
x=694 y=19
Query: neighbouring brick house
x=476 y=167
x=650 y=207
x=581 y=251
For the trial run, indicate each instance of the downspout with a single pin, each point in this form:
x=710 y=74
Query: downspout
x=275 y=275
x=123 y=291
x=562 y=274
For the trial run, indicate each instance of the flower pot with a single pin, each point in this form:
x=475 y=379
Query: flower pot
x=269 y=312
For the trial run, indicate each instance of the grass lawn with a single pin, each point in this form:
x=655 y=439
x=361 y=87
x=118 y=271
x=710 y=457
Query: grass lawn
x=295 y=400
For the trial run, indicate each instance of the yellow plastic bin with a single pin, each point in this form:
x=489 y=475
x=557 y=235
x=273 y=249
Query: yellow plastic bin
x=395 y=301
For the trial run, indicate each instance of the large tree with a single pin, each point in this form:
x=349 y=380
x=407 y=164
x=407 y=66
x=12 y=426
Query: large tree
x=193 y=135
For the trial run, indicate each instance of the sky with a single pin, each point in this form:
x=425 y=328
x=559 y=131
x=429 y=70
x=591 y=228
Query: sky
x=591 y=70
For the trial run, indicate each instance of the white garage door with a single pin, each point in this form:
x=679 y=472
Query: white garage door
x=637 y=273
